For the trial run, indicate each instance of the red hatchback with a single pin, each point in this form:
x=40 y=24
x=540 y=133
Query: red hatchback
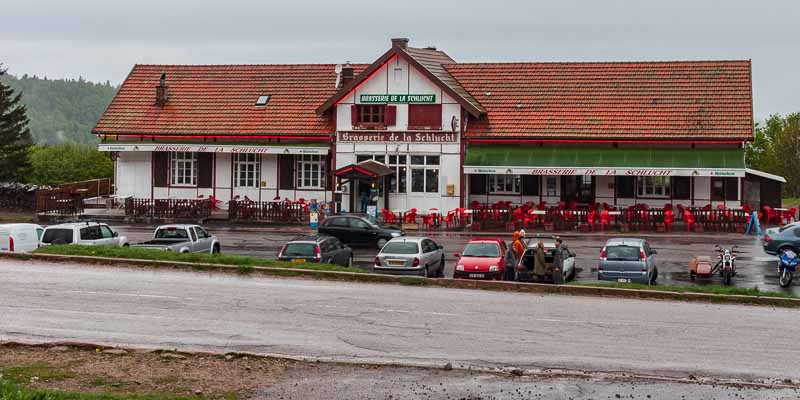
x=482 y=258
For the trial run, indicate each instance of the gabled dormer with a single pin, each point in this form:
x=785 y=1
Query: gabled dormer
x=406 y=89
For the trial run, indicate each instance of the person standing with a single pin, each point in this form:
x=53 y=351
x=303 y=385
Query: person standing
x=518 y=246
x=539 y=263
x=510 y=264
x=558 y=262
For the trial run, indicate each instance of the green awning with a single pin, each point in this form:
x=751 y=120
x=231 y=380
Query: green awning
x=506 y=159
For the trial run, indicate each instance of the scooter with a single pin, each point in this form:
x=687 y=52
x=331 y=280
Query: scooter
x=727 y=263
x=787 y=264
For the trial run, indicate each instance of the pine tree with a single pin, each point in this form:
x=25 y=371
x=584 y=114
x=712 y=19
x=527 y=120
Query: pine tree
x=15 y=137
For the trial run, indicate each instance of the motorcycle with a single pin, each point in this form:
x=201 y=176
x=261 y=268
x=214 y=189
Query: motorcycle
x=787 y=264
x=726 y=263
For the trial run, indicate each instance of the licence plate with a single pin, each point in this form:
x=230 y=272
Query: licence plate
x=476 y=275
x=623 y=280
x=397 y=263
x=299 y=260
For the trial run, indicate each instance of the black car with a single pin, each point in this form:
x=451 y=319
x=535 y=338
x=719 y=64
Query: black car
x=359 y=229
x=317 y=249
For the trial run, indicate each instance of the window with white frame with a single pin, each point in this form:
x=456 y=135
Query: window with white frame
x=246 y=170
x=310 y=171
x=504 y=184
x=184 y=168
x=425 y=174
x=377 y=157
x=653 y=186
x=398 y=181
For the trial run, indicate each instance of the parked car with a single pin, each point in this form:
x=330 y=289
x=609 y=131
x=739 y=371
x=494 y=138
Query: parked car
x=19 y=238
x=627 y=260
x=787 y=237
x=411 y=256
x=359 y=229
x=319 y=249
x=84 y=233
x=182 y=239
x=527 y=261
x=482 y=258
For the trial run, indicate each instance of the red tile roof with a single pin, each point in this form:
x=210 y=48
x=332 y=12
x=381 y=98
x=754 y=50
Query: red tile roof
x=220 y=100
x=608 y=100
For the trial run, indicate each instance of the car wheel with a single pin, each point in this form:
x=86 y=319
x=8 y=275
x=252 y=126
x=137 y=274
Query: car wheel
x=349 y=261
x=654 y=276
x=215 y=249
x=572 y=274
x=426 y=272
x=441 y=269
x=126 y=245
x=381 y=243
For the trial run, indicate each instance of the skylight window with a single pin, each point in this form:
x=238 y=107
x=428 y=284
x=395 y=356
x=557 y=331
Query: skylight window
x=262 y=100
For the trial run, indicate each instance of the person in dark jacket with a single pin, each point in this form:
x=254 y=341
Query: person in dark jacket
x=509 y=265
x=558 y=262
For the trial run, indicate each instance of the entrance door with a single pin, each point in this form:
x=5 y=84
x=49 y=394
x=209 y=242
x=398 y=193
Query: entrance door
x=579 y=188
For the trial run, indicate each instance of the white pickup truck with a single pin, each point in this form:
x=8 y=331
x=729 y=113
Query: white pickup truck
x=182 y=239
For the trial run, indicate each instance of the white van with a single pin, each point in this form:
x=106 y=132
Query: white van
x=19 y=238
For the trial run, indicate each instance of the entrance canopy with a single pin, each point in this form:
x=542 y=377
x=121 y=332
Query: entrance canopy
x=529 y=160
x=367 y=170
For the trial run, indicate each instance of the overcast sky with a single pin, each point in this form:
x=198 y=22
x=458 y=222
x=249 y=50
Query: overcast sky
x=101 y=39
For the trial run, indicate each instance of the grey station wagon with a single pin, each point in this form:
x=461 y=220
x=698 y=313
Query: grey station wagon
x=627 y=260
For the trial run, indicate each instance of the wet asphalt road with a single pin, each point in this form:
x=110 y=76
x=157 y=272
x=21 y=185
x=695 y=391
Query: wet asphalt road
x=755 y=268
x=44 y=302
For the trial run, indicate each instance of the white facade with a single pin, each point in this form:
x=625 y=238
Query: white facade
x=398 y=77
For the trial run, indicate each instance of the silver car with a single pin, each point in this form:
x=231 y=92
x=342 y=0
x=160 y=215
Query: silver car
x=411 y=256
x=627 y=260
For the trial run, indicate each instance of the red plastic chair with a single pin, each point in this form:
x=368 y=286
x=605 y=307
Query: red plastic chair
x=411 y=216
x=789 y=215
x=669 y=218
x=590 y=216
x=689 y=219
x=604 y=219
x=427 y=221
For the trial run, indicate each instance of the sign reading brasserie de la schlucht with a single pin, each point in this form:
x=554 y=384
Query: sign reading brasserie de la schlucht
x=398 y=98
x=396 y=137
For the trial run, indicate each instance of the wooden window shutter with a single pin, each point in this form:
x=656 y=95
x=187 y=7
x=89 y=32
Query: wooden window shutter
x=286 y=165
x=160 y=169
x=530 y=185
x=205 y=170
x=477 y=184
x=391 y=115
x=354 y=115
x=425 y=116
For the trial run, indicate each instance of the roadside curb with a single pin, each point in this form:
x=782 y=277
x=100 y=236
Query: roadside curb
x=498 y=286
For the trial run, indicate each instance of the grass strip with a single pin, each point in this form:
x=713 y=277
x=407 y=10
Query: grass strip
x=709 y=289
x=12 y=391
x=244 y=264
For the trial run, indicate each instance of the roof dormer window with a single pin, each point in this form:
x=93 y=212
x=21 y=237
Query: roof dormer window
x=262 y=100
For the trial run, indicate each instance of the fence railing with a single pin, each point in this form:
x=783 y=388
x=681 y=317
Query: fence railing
x=288 y=212
x=194 y=209
x=59 y=202
x=90 y=188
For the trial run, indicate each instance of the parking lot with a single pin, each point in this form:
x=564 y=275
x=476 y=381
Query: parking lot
x=755 y=268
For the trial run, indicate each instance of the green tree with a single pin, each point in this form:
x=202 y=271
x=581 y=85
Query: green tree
x=62 y=163
x=62 y=110
x=783 y=156
x=15 y=137
x=758 y=152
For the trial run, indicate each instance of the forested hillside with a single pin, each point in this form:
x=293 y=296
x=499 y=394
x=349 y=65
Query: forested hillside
x=62 y=111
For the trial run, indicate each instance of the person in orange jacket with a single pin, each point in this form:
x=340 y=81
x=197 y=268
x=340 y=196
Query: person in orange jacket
x=518 y=246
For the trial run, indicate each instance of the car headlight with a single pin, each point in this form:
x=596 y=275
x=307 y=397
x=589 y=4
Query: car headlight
x=395 y=234
x=459 y=267
x=494 y=268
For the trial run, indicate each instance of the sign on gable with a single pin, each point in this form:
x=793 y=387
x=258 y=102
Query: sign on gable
x=398 y=98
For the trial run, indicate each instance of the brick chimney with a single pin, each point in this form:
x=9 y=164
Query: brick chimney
x=347 y=74
x=400 y=42
x=162 y=91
